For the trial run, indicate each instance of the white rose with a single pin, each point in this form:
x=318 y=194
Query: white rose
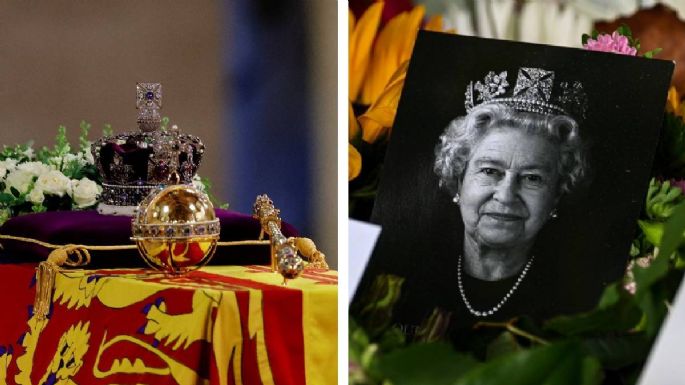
x=54 y=183
x=85 y=192
x=20 y=180
x=6 y=166
x=36 y=196
x=34 y=168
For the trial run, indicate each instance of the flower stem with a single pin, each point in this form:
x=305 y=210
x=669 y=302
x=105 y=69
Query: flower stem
x=509 y=325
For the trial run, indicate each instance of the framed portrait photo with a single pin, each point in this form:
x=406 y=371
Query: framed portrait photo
x=514 y=177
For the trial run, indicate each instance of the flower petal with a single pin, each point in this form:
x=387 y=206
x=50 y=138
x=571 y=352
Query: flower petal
x=360 y=43
x=377 y=121
x=673 y=101
x=353 y=124
x=393 y=46
x=354 y=162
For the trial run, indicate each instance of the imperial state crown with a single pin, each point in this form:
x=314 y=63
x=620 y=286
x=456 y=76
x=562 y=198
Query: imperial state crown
x=133 y=164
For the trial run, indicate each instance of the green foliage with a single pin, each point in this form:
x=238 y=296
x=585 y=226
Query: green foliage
x=19 y=152
x=165 y=123
x=62 y=146
x=107 y=130
x=207 y=188
x=620 y=312
x=662 y=198
x=84 y=143
x=559 y=364
x=652 y=53
x=434 y=363
x=585 y=37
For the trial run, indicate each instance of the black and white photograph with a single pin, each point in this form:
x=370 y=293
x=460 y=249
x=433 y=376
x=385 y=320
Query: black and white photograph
x=514 y=177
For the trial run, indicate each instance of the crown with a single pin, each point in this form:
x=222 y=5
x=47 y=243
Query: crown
x=133 y=164
x=535 y=91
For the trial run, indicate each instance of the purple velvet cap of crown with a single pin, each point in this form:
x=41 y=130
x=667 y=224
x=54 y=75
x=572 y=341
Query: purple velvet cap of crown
x=91 y=228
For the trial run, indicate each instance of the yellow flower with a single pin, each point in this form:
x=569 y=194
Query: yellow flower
x=673 y=102
x=353 y=125
x=393 y=47
x=362 y=35
x=377 y=121
x=354 y=162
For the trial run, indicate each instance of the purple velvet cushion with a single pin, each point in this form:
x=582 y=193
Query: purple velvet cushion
x=91 y=228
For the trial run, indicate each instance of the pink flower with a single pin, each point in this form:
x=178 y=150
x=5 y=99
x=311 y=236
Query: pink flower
x=615 y=43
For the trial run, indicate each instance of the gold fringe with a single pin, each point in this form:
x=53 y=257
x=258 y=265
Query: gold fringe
x=79 y=255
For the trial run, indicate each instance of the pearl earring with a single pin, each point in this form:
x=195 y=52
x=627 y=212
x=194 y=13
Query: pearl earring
x=456 y=198
x=553 y=214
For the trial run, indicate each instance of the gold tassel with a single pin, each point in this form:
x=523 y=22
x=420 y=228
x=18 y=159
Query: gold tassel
x=47 y=271
x=45 y=282
x=307 y=247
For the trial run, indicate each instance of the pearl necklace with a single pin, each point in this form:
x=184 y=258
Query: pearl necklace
x=501 y=303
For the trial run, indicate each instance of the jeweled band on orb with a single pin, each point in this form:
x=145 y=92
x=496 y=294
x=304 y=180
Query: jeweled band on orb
x=206 y=229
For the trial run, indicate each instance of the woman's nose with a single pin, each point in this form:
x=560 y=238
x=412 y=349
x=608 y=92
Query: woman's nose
x=505 y=191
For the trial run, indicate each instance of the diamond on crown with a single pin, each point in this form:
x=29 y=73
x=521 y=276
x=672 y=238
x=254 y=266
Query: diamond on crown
x=133 y=164
x=534 y=91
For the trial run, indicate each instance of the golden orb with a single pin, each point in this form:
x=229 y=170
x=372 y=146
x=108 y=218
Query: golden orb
x=176 y=229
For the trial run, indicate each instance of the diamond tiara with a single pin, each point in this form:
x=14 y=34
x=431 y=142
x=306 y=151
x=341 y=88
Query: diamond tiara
x=535 y=91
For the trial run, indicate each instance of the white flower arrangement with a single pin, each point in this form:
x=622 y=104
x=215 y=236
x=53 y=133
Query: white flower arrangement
x=48 y=179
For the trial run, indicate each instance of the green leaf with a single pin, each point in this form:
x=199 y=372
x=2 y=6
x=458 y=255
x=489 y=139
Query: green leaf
x=505 y=343
x=595 y=33
x=652 y=53
x=624 y=30
x=434 y=363
x=563 y=363
x=653 y=231
x=585 y=38
x=617 y=311
x=615 y=352
x=84 y=143
x=62 y=146
x=650 y=301
x=6 y=199
x=673 y=232
x=38 y=208
x=107 y=130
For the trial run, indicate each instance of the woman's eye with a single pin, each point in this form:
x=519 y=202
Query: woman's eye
x=490 y=171
x=533 y=179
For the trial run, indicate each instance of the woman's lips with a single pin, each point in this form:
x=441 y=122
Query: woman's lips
x=505 y=216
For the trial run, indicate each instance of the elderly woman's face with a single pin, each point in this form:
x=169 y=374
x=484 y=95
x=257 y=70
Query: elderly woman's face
x=509 y=188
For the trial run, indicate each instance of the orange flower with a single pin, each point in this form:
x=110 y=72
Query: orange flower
x=362 y=35
x=393 y=47
x=353 y=125
x=377 y=121
x=354 y=162
x=673 y=102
